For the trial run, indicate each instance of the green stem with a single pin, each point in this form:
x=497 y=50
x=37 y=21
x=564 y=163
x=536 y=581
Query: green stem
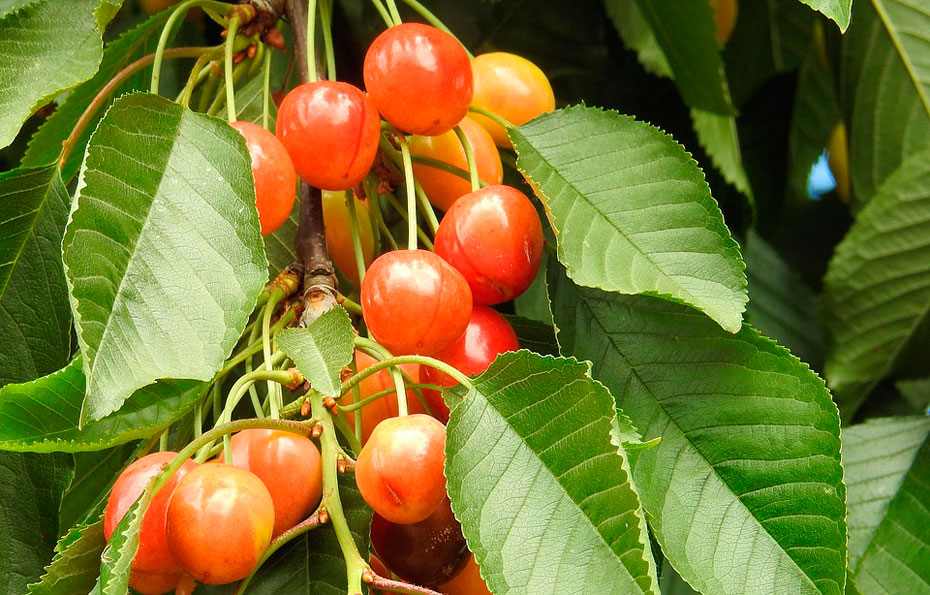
x=209 y=88
x=469 y=157
x=254 y=348
x=228 y=69
x=356 y=236
x=326 y=19
x=433 y=20
x=446 y=167
x=395 y=14
x=273 y=397
x=350 y=305
x=266 y=89
x=491 y=115
x=411 y=194
x=281 y=540
x=220 y=99
x=374 y=210
x=163 y=440
x=179 y=12
x=354 y=439
x=379 y=352
x=379 y=6
x=387 y=235
x=312 y=76
x=199 y=72
x=406 y=359
x=427 y=243
x=355 y=405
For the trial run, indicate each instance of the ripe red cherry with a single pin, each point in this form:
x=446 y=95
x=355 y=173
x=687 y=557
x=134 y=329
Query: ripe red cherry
x=219 y=523
x=427 y=553
x=494 y=238
x=153 y=556
x=385 y=407
x=153 y=584
x=443 y=188
x=487 y=336
x=467 y=582
x=419 y=78
x=399 y=471
x=330 y=129
x=289 y=466
x=275 y=178
x=415 y=302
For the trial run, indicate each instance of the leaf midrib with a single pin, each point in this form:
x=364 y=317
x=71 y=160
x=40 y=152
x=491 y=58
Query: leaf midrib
x=645 y=385
x=32 y=226
x=902 y=54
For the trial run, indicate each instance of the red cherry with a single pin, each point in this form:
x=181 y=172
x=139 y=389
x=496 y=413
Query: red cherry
x=419 y=78
x=399 y=471
x=427 y=553
x=414 y=302
x=153 y=556
x=330 y=129
x=493 y=237
x=487 y=336
x=153 y=584
x=275 y=178
x=219 y=523
x=289 y=466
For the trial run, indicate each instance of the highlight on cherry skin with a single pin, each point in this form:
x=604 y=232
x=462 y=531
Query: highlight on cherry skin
x=488 y=335
x=444 y=188
x=419 y=78
x=274 y=174
x=330 y=129
x=153 y=556
x=219 y=523
x=498 y=266
x=414 y=302
x=399 y=471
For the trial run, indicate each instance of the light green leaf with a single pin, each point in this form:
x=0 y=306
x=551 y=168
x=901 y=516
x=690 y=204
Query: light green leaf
x=885 y=85
x=745 y=491
x=121 y=548
x=45 y=48
x=35 y=318
x=544 y=499
x=685 y=31
x=31 y=486
x=76 y=564
x=780 y=306
x=877 y=287
x=718 y=136
x=322 y=350
x=631 y=210
x=837 y=10
x=886 y=464
x=43 y=415
x=163 y=252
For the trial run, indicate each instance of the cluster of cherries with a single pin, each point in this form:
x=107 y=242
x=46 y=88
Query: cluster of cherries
x=213 y=522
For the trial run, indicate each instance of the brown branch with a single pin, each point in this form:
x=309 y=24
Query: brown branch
x=379 y=582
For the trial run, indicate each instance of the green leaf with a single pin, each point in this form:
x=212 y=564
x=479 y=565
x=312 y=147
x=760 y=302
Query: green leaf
x=685 y=32
x=745 y=491
x=837 y=10
x=43 y=415
x=322 y=350
x=76 y=564
x=163 y=252
x=637 y=35
x=544 y=499
x=94 y=475
x=650 y=226
x=672 y=583
x=916 y=392
x=718 y=136
x=877 y=287
x=121 y=548
x=45 y=48
x=534 y=302
x=31 y=486
x=534 y=336
x=780 y=305
x=886 y=464
x=279 y=245
x=45 y=145
x=35 y=318
x=885 y=90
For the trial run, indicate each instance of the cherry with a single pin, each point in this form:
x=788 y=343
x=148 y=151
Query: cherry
x=419 y=78
x=467 y=582
x=339 y=233
x=275 y=178
x=415 y=302
x=725 y=15
x=289 y=466
x=385 y=407
x=494 y=238
x=153 y=556
x=443 y=188
x=399 y=471
x=153 y=584
x=427 y=553
x=487 y=336
x=512 y=87
x=330 y=129
x=220 y=520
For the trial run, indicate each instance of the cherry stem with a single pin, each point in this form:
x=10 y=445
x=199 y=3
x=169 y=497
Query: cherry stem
x=286 y=318
x=356 y=236
x=425 y=206
x=407 y=359
x=403 y=213
x=326 y=20
x=386 y=584
x=491 y=115
x=310 y=523
x=178 y=14
x=352 y=306
x=382 y=393
x=395 y=14
x=379 y=6
x=266 y=89
x=410 y=187
x=163 y=440
x=199 y=72
x=228 y=69
x=446 y=167
x=311 y=42
x=381 y=353
x=433 y=20
x=273 y=394
x=469 y=157
x=220 y=100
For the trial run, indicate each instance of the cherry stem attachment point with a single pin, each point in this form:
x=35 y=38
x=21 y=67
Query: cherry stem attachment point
x=469 y=157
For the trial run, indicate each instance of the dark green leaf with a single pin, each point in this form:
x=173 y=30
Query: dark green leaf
x=877 y=288
x=94 y=474
x=650 y=226
x=322 y=350
x=279 y=245
x=35 y=317
x=534 y=302
x=163 y=251
x=76 y=564
x=31 y=486
x=886 y=464
x=916 y=392
x=544 y=498
x=747 y=474
x=43 y=415
x=535 y=336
